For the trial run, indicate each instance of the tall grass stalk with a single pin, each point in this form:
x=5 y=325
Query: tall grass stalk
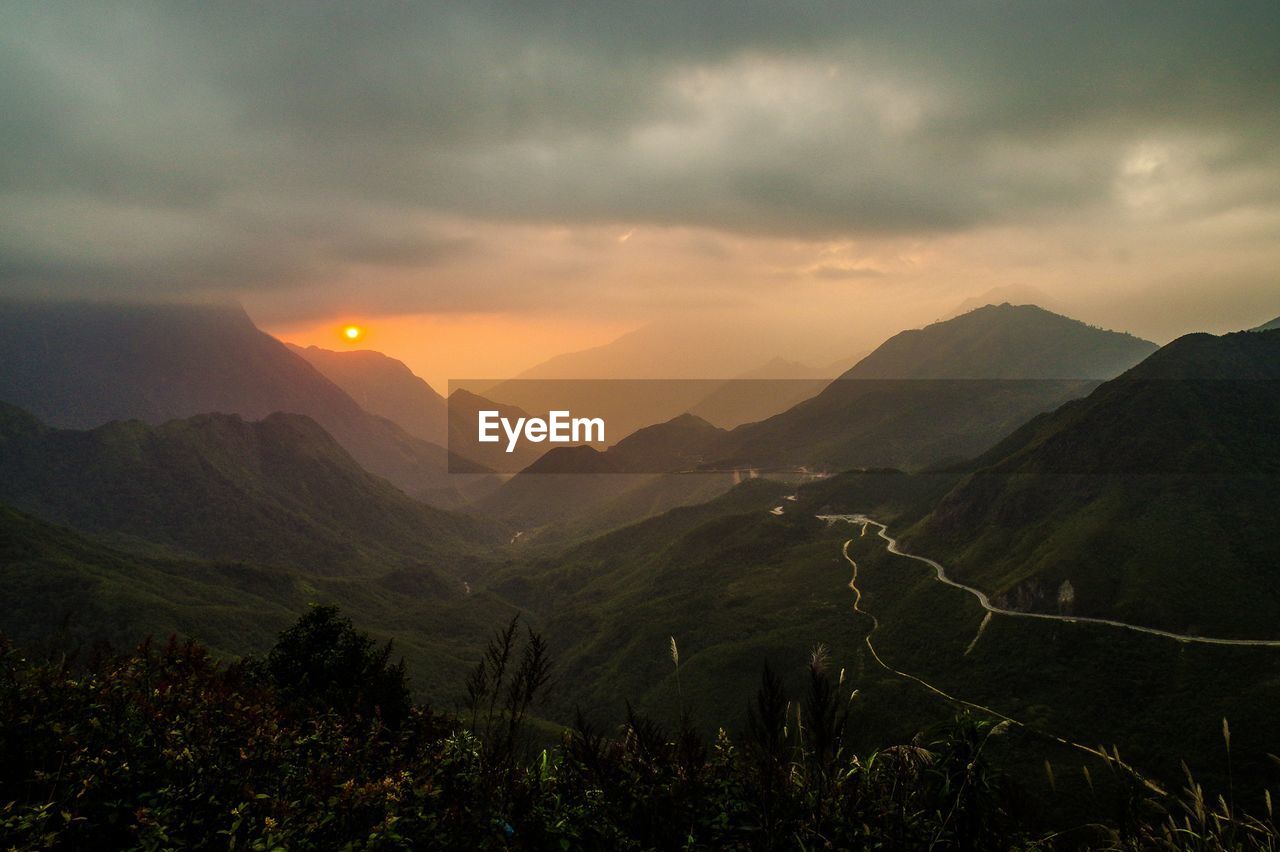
x=675 y=659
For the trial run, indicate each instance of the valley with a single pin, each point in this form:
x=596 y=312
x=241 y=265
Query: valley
x=681 y=534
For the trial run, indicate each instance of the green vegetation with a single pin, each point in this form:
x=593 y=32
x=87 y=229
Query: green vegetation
x=276 y=491
x=166 y=747
x=737 y=586
x=886 y=495
x=77 y=592
x=323 y=663
x=1149 y=500
x=1160 y=701
x=1153 y=497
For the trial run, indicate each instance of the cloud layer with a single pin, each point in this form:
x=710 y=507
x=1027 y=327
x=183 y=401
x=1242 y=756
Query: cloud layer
x=489 y=156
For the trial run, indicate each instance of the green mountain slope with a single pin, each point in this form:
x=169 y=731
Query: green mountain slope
x=277 y=491
x=1152 y=499
x=71 y=590
x=66 y=591
x=736 y=586
x=610 y=605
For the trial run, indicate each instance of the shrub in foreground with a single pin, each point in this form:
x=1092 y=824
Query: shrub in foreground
x=317 y=747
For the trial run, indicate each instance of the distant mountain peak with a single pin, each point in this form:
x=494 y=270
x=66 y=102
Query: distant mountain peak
x=1015 y=294
x=1268 y=326
x=1004 y=341
x=683 y=421
x=383 y=386
x=579 y=459
x=370 y=357
x=79 y=365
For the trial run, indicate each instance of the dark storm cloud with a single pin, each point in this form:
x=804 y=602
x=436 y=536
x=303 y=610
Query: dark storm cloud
x=241 y=145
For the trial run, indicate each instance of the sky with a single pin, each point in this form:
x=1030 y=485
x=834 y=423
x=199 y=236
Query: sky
x=484 y=185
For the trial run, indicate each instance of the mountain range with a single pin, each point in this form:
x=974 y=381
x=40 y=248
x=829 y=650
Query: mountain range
x=922 y=398
x=637 y=477
x=724 y=368
x=943 y=392
x=927 y=396
x=1151 y=496
x=81 y=365
x=181 y=471
x=278 y=491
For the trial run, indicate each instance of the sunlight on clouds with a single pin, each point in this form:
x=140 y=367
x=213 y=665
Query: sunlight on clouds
x=781 y=104
x=1159 y=179
x=1145 y=182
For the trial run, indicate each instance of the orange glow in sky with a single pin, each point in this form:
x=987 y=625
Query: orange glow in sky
x=440 y=347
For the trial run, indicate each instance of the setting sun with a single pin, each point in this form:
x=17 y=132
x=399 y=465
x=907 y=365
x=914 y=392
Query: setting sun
x=353 y=332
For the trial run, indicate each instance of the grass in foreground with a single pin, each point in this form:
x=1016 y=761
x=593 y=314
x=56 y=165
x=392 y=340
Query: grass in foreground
x=318 y=745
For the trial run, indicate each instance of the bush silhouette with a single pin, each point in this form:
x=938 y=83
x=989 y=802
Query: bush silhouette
x=323 y=663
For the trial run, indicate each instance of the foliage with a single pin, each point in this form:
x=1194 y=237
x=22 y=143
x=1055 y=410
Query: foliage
x=500 y=692
x=167 y=747
x=1131 y=493
x=323 y=663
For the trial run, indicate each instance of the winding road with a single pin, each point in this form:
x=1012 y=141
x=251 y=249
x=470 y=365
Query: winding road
x=940 y=574
x=981 y=596
x=1113 y=759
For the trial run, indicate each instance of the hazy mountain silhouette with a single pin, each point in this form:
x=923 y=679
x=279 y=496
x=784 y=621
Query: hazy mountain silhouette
x=1268 y=326
x=464 y=409
x=553 y=488
x=686 y=361
x=80 y=365
x=1014 y=294
x=675 y=349
x=767 y=390
x=278 y=491
x=1153 y=498
x=703 y=345
x=1004 y=342
x=946 y=391
x=385 y=387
